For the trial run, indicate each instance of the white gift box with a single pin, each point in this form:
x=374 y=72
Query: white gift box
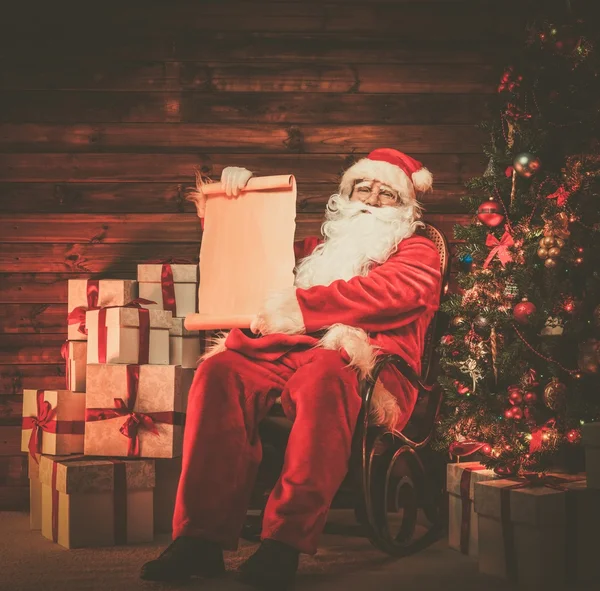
x=123 y=336
x=184 y=345
x=185 y=287
x=111 y=292
x=591 y=440
x=76 y=365
x=541 y=537
x=460 y=484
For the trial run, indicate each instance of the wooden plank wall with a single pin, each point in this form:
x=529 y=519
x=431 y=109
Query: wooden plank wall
x=105 y=116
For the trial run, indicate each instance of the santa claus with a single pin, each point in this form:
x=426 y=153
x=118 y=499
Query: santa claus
x=369 y=286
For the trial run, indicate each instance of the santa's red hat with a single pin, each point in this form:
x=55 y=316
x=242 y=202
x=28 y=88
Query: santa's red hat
x=393 y=168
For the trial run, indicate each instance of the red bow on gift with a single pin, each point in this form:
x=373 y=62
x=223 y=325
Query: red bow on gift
x=77 y=315
x=500 y=248
x=40 y=423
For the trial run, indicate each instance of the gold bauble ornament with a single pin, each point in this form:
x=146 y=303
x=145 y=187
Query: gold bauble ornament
x=559 y=242
x=550 y=263
x=542 y=252
x=547 y=241
x=555 y=394
x=554 y=252
x=458 y=321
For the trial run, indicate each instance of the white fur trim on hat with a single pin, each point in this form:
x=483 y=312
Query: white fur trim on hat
x=390 y=175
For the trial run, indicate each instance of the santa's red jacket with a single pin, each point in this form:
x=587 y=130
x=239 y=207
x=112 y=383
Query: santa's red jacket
x=394 y=304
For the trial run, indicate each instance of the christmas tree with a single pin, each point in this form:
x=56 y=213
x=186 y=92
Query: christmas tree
x=520 y=360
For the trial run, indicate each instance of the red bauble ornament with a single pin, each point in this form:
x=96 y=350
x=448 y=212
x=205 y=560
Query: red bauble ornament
x=508 y=413
x=530 y=398
x=517 y=413
x=447 y=339
x=490 y=213
x=515 y=397
x=487 y=449
x=523 y=311
x=573 y=436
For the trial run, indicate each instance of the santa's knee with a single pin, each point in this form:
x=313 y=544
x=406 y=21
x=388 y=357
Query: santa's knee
x=213 y=373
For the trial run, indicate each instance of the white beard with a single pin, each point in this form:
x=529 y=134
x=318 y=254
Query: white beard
x=355 y=240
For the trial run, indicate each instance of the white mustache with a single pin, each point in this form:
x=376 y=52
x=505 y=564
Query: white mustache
x=341 y=207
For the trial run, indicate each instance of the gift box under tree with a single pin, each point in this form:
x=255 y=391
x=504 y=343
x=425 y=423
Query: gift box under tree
x=96 y=502
x=91 y=294
x=134 y=411
x=128 y=335
x=591 y=440
x=75 y=355
x=173 y=287
x=460 y=484
x=540 y=533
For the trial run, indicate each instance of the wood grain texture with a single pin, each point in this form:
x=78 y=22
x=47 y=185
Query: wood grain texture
x=132 y=167
x=14 y=378
x=10 y=440
x=24 y=349
x=13 y=471
x=165 y=198
x=182 y=106
x=33 y=318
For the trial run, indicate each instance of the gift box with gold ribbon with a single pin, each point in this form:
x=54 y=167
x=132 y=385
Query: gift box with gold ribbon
x=96 y=502
x=128 y=334
x=460 y=484
x=134 y=411
x=172 y=286
x=539 y=532
x=91 y=294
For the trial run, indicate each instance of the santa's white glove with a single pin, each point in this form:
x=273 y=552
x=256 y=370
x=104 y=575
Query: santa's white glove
x=234 y=179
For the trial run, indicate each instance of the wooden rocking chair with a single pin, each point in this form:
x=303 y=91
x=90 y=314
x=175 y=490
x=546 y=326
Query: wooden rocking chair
x=391 y=475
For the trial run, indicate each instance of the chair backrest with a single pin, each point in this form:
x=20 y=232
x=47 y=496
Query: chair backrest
x=438 y=238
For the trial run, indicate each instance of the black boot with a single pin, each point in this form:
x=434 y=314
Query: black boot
x=184 y=558
x=272 y=566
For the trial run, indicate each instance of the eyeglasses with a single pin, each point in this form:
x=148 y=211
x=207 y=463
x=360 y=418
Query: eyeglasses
x=365 y=190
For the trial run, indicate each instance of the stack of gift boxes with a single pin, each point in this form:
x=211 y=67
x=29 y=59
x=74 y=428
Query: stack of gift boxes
x=539 y=531
x=105 y=452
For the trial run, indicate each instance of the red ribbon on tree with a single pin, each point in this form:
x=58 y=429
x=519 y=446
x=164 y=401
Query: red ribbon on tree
x=77 y=315
x=45 y=421
x=561 y=195
x=144 y=330
x=134 y=420
x=499 y=248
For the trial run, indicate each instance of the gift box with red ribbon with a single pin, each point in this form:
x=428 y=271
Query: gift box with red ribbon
x=91 y=294
x=172 y=286
x=134 y=411
x=97 y=502
x=128 y=334
x=460 y=484
x=591 y=440
x=539 y=532
x=53 y=422
x=184 y=345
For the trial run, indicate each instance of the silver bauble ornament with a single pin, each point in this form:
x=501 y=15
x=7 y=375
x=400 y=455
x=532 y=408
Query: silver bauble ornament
x=526 y=164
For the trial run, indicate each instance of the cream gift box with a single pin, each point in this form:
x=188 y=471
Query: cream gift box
x=173 y=287
x=53 y=421
x=97 y=502
x=542 y=537
x=85 y=294
x=124 y=340
x=184 y=345
x=460 y=484
x=591 y=440
x=168 y=471
x=76 y=363
x=134 y=410
x=35 y=493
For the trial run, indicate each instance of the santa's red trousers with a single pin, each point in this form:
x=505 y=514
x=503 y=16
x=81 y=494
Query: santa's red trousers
x=230 y=395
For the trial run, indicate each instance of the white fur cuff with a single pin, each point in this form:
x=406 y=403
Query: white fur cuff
x=280 y=313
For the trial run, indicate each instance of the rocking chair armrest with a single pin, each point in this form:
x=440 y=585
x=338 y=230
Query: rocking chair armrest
x=403 y=367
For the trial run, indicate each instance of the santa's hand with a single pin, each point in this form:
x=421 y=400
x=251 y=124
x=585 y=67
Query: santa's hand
x=280 y=313
x=234 y=179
